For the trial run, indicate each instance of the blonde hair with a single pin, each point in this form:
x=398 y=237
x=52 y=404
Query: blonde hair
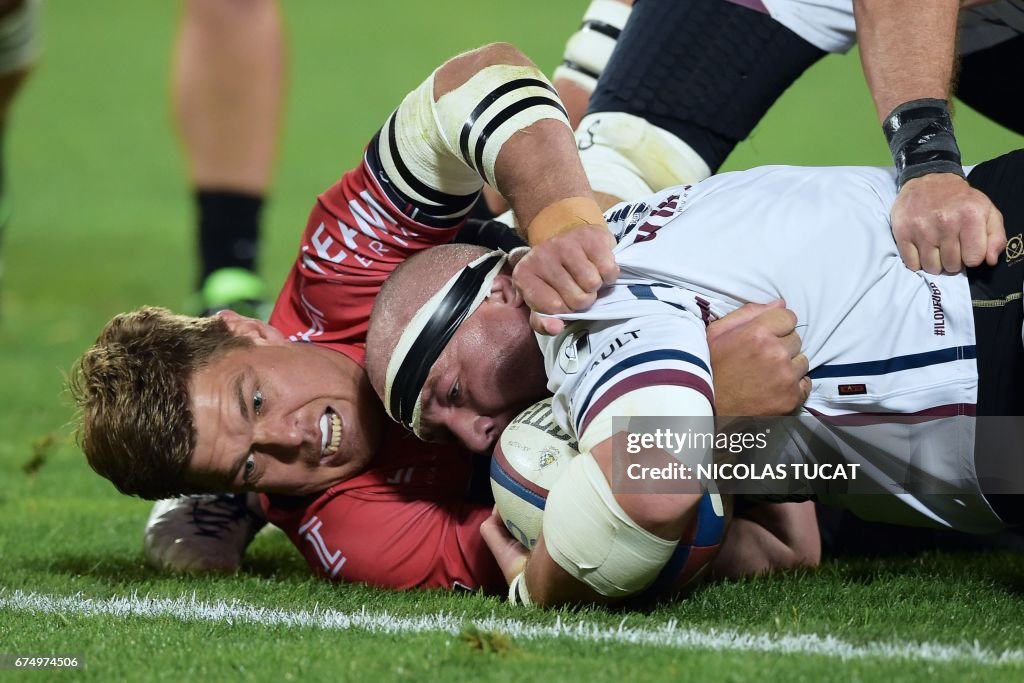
x=135 y=422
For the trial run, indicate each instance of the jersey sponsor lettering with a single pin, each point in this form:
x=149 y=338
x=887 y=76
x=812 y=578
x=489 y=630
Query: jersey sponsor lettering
x=355 y=236
x=614 y=345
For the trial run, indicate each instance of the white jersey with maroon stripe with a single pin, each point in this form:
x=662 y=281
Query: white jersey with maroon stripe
x=829 y=24
x=880 y=339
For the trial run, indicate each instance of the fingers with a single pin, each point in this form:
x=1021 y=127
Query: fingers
x=494 y=533
x=545 y=325
x=508 y=552
x=996 y=237
x=791 y=344
x=564 y=273
x=603 y=258
x=801 y=367
x=744 y=315
x=759 y=368
x=909 y=254
x=805 y=389
x=951 y=258
x=971 y=244
x=941 y=223
x=551 y=288
x=779 y=321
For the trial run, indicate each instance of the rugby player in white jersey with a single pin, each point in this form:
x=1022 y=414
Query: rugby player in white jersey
x=880 y=339
x=706 y=71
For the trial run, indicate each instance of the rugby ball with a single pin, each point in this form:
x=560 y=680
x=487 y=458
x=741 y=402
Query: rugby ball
x=531 y=455
x=698 y=546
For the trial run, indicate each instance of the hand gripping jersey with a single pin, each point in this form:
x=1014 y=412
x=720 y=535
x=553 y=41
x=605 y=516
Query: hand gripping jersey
x=408 y=521
x=881 y=340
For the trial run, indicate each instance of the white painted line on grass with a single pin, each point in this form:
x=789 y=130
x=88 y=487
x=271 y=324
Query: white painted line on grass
x=669 y=635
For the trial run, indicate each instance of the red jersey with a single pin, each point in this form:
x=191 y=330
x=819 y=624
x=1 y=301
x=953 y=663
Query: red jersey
x=408 y=522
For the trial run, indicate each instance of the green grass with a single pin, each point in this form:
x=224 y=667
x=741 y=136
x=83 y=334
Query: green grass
x=103 y=224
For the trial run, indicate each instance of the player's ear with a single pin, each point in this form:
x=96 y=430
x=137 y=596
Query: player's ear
x=504 y=292
x=517 y=255
x=259 y=332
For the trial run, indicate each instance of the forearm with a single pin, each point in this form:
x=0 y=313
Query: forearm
x=550 y=585
x=540 y=166
x=907 y=49
x=769 y=537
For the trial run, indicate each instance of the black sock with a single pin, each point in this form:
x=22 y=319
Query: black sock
x=229 y=230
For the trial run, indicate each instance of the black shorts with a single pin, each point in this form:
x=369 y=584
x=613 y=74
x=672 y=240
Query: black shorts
x=986 y=82
x=996 y=294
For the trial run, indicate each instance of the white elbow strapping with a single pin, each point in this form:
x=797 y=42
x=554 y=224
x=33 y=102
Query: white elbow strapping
x=478 y=118
x=432 y=175
x=19 y=37
x=588 y=50
x=627 y=157
x=590 y=536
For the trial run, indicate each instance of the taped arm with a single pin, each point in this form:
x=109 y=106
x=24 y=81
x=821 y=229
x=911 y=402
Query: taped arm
x=487 y=115
x=599 y=545
x=908 y=50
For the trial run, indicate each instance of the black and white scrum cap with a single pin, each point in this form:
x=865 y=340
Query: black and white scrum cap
x=428 y=333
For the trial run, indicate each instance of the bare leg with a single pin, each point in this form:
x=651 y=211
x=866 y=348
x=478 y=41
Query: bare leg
x=18 y=48
x=228 y=88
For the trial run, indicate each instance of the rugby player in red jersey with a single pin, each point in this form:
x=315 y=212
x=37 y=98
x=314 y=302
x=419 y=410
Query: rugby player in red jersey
x=174 y=405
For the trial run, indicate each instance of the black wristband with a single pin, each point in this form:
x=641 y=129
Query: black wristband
x=921 y=140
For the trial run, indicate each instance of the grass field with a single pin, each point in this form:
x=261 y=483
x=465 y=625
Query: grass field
x=103 y=224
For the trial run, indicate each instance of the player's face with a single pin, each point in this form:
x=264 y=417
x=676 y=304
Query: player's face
x=490 y=372
x=282 y=417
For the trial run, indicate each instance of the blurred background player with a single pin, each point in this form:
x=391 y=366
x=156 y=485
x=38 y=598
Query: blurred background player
x=19 y=49
x=228 y=86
